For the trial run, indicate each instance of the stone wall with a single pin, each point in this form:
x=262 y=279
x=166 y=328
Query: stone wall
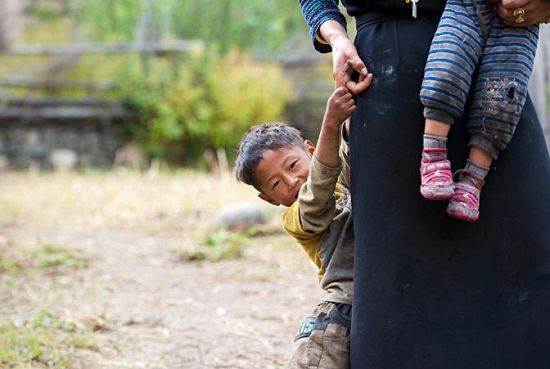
x=58 y=143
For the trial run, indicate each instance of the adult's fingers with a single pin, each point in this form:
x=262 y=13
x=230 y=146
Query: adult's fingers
x=358 y=65
x=507 y=15
x=513 y=4
x=357 y=87
x=341 y=77
x=522 y=13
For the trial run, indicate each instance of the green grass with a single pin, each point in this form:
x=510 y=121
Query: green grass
x=10 y=265
x=45 y=341
x=221 y=244
x=46 y=257
x=217 y=246
x=50 y=256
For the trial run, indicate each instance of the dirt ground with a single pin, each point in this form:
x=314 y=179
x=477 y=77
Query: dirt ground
x=155 y=309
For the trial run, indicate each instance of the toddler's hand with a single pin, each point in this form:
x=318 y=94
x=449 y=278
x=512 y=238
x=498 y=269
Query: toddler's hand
x=340 y=105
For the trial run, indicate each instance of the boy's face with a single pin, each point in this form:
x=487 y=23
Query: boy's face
x=280 y=173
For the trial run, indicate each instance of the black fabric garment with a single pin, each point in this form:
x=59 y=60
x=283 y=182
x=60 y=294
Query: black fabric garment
x=433 y=292
x=357 y=7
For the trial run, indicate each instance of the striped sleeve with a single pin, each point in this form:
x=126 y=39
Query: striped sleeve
x=316 y=12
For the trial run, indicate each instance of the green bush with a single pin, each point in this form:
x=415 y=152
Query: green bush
x=205 y=102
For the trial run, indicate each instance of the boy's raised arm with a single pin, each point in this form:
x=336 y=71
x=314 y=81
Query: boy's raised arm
x=317 y=201
x=340 y=105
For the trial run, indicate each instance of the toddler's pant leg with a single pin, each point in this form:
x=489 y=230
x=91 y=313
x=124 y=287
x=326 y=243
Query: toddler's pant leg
x=323 y=340
x=501 y=87
x=454 y=54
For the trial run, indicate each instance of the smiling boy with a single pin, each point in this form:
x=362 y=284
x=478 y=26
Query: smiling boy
x=288 y=171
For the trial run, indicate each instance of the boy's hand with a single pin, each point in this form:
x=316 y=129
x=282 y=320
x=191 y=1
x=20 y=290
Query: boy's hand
x=340 y=105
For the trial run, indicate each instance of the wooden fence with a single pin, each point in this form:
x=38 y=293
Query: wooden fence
x=33 y=128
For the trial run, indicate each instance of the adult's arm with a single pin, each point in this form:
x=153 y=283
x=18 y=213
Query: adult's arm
x=328 y=30
x=535 y=11
x=317 y=12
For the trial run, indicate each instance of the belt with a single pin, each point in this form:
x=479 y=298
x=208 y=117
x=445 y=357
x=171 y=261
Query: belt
x=390 y=15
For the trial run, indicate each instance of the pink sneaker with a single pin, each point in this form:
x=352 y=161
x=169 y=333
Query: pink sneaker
x=436 y=179
x=464 y=204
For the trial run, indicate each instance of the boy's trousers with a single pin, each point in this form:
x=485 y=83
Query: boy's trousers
x=323 y=340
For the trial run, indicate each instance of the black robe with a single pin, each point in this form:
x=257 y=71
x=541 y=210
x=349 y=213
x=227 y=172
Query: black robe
x=433 y=292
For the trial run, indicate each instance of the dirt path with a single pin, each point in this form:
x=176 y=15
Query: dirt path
x=161 y=312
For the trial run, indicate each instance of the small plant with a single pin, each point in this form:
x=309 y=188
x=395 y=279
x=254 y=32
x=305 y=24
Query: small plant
x=42 y=342
x=49 y=256
x=83 y=340
x=217 y=246
x=9 y=264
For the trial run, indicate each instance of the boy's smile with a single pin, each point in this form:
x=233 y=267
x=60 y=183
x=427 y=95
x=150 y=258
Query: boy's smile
x=282 y=172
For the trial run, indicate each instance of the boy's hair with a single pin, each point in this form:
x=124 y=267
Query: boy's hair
x=258 y=140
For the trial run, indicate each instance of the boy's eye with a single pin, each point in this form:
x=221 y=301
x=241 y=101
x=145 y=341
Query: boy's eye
x=293 y=165
x=275 y=184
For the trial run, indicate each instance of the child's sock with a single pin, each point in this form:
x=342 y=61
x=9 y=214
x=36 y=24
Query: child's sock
x=435 y=148
x=477 y=172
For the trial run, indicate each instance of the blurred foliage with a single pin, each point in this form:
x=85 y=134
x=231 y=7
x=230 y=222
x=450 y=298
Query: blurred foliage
x=185 y=104
x=259 y=25
x=205 y=103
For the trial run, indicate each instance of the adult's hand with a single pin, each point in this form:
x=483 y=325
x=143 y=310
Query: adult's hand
x=345 y=59
x=535 y=11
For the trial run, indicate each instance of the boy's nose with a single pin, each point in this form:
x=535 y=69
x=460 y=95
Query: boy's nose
x=292 y=181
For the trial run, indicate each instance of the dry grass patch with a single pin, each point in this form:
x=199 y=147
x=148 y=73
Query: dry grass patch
x=181 y=201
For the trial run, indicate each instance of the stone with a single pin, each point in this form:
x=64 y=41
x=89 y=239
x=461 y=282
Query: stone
x=63 y=159
x=239 y=216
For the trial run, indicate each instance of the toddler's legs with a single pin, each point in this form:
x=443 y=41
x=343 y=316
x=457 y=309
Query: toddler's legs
x=499 y=96
x=455 y=50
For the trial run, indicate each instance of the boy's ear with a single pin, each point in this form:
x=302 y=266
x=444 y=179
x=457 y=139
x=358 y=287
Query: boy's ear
x=309 y=146
x=264 y=197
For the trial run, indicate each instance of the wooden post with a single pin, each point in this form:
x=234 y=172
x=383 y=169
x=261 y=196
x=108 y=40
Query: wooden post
x=10 y=21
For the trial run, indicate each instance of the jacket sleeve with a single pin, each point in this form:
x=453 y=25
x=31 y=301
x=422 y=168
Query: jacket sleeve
x=345 y=176
x=317 y=200
x=316 y=12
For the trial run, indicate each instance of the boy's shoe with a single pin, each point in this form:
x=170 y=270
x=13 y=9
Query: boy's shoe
x=464 y=204
x=436 y=178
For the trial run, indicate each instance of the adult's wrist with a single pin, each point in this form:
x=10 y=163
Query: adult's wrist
x=332 y=32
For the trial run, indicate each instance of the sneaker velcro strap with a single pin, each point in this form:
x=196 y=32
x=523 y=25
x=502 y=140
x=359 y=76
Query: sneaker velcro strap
x=435 y=166
x=468 y=188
